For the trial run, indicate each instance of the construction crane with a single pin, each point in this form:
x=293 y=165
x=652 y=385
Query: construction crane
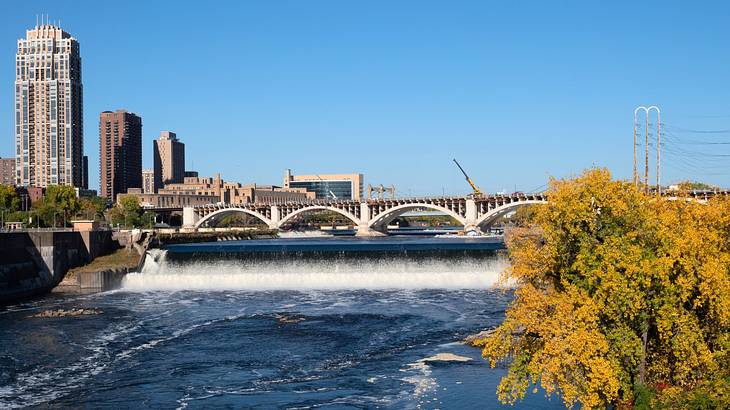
x=477 y=191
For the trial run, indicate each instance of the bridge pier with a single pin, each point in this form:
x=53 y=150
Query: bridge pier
x=275 y=217
x=190 y=217
x=471 y=216
x=363 y=230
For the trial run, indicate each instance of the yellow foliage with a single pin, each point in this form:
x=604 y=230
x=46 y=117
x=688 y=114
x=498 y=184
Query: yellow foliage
x=615 y=288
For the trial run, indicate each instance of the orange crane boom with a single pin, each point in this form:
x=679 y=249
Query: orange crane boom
x=477 y=191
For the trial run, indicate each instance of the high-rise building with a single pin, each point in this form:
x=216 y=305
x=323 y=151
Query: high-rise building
x=85 y=173
x=7 y=171
x=120 y=152
x=49 y=135
x=148 y=181
x=327 y=186
x=169 y=160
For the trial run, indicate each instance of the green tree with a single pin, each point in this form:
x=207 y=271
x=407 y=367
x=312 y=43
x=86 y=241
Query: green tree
x=62 y=200
x=92 y=207
x=57 y=207
x=147 y=220
x=9 y=203
x=127 y=212
x=695 y=186
x=616 y=292
x=9 y=199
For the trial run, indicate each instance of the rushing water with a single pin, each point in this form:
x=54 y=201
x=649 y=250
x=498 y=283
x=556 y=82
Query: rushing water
x=228 y=325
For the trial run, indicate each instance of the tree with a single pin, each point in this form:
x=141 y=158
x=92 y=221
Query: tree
x=92 y=207
x=58 y=205
x=616 y=291
x=9 y=199
x=126 y=212
x=695 y=186
x=62 y=199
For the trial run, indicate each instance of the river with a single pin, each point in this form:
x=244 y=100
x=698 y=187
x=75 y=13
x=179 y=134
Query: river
x=287 y=323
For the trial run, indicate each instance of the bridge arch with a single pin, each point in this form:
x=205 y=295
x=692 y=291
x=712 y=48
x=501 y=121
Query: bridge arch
x=355 y=220
x=488 y=219
x=385 y=217
x=214 y=215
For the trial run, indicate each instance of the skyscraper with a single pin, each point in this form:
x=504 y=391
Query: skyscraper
x=85 y=173
x=169 y=160
x=120 y=152
x=48 y=109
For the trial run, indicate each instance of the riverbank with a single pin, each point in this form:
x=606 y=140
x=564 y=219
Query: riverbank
x=102 y=273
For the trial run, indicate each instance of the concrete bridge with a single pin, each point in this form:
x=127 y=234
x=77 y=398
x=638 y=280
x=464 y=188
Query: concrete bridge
x=369 y=217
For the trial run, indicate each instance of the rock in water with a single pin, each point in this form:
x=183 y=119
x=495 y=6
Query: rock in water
x=473 y=339
x=67 y=313
x=445 y=357
x=288 y=319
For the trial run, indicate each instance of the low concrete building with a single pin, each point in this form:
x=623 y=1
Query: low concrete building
x=85 y=225
x=169 y=200
x=236 y=193
x=327 y=186
x=271 y=194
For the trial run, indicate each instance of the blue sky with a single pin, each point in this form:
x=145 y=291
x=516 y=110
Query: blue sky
x=517 y=91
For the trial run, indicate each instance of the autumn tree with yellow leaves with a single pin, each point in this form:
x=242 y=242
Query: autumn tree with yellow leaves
x=617 y=291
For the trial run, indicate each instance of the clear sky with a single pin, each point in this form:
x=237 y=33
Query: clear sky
x=516 y=90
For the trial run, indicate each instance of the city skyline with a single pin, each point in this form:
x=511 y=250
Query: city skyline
x=317 y=89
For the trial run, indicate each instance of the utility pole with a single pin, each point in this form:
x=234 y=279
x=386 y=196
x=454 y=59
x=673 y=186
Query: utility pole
x=636 y=175
x=646 y=148
x=658 y=151
x=646 y=161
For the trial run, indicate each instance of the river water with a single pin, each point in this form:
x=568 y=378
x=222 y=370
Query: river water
x=289 y=323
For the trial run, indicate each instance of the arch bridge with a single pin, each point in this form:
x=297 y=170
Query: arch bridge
x=369 y=217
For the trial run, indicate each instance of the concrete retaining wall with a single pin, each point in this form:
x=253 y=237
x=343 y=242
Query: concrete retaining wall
x=104 y=280
x=35 y=262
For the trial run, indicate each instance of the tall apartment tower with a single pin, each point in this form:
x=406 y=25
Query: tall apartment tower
x=85 y=173
x=49 y=135
x=169 y=160
x=120 y=152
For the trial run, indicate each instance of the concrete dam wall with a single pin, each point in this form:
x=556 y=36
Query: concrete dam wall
x=33 y=263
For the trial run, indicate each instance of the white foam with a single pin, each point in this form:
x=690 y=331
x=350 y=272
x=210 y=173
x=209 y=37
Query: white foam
x=305 y=234
x=313 y=275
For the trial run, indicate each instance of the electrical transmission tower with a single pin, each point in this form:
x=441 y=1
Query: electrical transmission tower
x=637 y=180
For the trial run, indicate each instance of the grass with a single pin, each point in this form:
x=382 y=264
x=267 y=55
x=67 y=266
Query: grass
x=121 y=258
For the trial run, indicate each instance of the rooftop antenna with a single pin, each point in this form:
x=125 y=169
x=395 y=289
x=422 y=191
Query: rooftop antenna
x=36 y=21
